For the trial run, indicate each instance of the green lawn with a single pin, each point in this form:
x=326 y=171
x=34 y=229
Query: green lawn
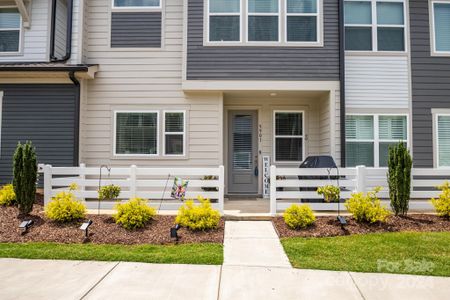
x=405 y=253
x=208 y=254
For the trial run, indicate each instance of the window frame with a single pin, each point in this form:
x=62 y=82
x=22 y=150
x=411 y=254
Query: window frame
x=436 y=134
x=275 y=136
x=158 y=129
x=248 y=14
x=19 y=48
x=374 y=27
x=282 y=28
x=434 y=51
x=376 y=134
x=165 y=133
x=1 y=115
x=124 y=8
x=319 y=25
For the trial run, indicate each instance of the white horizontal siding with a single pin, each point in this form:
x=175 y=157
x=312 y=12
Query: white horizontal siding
x=35 y=40
x=376 y=81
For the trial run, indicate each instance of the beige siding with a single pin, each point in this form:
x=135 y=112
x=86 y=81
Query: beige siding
x=144 y=79
x=35 y=40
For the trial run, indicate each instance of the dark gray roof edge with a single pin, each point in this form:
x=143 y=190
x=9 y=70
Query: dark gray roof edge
x=6 y=67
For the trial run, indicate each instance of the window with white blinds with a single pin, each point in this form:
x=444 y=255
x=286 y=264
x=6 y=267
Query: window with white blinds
x=136 y=133
x=174 y=132
x=441 y=25
x=137 y=3
x=368 y=138
x=263 y=20
x=443 y=140
x=10 y=30
x=289 y=136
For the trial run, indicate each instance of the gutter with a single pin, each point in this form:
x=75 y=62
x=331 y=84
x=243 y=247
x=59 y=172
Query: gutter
x=66 y=57
x=342 y=79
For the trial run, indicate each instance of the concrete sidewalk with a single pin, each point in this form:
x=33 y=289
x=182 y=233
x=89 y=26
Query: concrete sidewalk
x=49 y=279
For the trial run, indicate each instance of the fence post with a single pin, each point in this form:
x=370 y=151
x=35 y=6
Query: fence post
x=133 y=171
x=47 y=184
x=82 y=177
x=361 y=173
x=273 y=190
x=221 y=189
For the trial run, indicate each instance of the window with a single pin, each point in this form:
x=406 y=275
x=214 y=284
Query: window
x=443 y=140
x=224 y=20
x=136 y=133
x=302 y=20
x=441 y=25
x=368 y=138
x=174 y=133
x=263 y=20
x=289 y=136
x=374 y=25
x=137 y=3
x=255 y=22
x=10 y=30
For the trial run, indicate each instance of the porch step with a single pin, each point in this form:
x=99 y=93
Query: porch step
x=233 y=216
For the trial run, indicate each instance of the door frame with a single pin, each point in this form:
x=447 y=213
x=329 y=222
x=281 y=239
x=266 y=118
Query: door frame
x=258 y=109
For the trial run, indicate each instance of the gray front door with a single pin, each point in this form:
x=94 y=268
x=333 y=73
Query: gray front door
x=242 y=152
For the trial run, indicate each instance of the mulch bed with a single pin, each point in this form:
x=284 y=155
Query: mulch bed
x=102 y=231
x=329 y=226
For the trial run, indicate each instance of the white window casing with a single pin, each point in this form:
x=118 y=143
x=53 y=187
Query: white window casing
x=5 y=28
x=167 y=133
x=375 y=26
x=290 y=136
x=442 y=133
x=433 y=30
x=129 y=5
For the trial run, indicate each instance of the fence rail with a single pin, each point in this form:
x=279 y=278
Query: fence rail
x=149 y=183
x=289 y=184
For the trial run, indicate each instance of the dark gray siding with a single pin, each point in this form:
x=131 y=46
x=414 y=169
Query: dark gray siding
x=43 y=114
x=430 y=83
x=136 y=29
x=265 y=63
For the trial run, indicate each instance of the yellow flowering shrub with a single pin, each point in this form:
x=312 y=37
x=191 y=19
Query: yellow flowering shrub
x=65 y=207
x=366 y=207
x=442 y=204
x=198 y=217
x=299 y=216
x=134 y=214
x=7 y=195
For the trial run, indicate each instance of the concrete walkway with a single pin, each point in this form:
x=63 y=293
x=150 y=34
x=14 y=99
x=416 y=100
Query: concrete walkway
x=255 y=267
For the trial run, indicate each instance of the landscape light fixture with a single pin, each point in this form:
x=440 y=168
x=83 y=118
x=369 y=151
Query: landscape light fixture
x=174 y=232
x=25 y=225
x=85 y=227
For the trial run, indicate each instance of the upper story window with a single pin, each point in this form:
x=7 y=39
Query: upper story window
x=10 y=30
x=264 y=22
x=443 y=140
x=440 y=28
x=136 y=3
x=372 y=25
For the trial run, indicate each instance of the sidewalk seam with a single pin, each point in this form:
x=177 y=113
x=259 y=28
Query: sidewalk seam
x=220 y=282
x=100 y=280
x=357 y=287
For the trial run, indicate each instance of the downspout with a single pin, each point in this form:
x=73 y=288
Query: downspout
x=76 y=134
x=342 y=79
x=66 y=57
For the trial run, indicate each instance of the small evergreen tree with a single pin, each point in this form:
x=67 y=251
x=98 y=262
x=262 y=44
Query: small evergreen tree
x=399 y=178
x=25 y=176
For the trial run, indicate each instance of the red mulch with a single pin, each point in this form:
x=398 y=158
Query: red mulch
x=102 y=231
x=329 y=226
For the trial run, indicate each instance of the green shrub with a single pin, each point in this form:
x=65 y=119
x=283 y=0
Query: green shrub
x=399 y=178
x=299 y=216
x=7 y=195
x=442 y=204
x=25 y=176
x=65 y=207
x=108 y=192
x=198 y=217
x=134 y=213
x=367 y=207
x=330 y=193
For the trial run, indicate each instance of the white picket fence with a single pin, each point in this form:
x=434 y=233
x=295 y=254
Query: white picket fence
x=147 y=183
x=295 y=185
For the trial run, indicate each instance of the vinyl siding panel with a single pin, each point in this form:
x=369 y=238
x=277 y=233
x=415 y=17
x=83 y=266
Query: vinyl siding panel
x=265 y=63
x=136 y=29
x=430 y=83
x=376 y=81
x=143 y=79
x=35 y=40
x=43 y=114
